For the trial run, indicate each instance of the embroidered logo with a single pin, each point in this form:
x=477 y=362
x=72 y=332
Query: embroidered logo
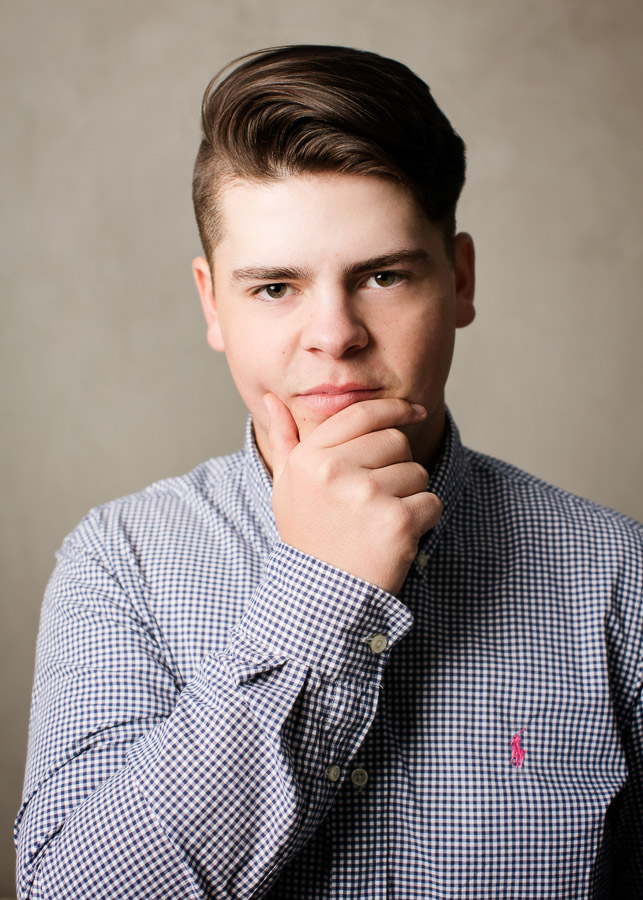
x=517 y=753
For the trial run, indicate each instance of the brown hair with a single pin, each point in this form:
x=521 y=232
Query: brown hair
x=314 y=109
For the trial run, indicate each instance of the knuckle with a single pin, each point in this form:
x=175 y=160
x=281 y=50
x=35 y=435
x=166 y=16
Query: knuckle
x=421 y=474
x=431 y=511
x=402 y=520
x=371 y=487
x=366 y=489
x=400 y=409
x=363 y=413
x=399 y=442
x=438 y=506
x=328 y=469
x=401 y=405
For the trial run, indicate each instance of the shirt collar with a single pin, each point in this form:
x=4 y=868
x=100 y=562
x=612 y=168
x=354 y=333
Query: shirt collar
x=446 y=481
x=259 y=483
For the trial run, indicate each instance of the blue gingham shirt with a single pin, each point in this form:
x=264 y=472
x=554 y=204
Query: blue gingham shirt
x=216 y=714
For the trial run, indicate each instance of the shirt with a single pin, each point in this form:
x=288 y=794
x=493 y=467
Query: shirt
x=216 y=714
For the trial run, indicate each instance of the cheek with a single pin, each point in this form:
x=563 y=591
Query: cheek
x=421 y=351
x=250 y=352
x=252 y=370
x=421 y=341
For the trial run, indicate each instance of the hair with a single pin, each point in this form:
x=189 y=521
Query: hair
x=313 y=109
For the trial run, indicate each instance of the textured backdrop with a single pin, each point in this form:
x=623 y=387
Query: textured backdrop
x=107 y=380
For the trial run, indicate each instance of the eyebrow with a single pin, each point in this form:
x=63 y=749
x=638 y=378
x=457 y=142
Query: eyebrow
x=275 y=275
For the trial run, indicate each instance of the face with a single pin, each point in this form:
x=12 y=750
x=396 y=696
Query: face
x=331 y=289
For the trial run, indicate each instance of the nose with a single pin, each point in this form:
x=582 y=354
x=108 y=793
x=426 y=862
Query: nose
x=333 y=326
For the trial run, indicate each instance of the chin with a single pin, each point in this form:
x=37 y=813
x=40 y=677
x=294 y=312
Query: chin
x=307 y=422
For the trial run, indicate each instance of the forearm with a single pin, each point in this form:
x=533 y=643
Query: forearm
x=215 y=799
x=109 y=846
x=196 y=799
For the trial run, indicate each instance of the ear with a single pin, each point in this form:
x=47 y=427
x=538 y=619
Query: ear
x=204 y=285
x=465 y=279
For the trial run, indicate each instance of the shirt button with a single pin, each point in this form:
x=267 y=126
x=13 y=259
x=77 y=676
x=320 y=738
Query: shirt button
x=422 y=559
x=333 y=773
x=359 y=777
x=378 y=643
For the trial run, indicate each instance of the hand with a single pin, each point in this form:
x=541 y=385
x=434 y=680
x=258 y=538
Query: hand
x=350 y=493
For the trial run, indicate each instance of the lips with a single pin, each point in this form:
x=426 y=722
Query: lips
x=330 y=398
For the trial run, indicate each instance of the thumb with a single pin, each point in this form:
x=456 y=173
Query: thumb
x=283 y=435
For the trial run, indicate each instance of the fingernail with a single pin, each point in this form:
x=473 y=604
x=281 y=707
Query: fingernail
x=420 y=410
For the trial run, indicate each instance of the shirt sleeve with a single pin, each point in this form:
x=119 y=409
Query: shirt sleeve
x=136 y=788
x=623 y=625
x=628 y=849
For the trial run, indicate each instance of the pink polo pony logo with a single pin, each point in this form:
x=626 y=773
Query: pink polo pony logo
x=517 y=753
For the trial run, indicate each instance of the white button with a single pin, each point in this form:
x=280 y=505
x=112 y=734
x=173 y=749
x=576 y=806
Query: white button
x=359 y=777
x=333 y=773
x=378 y=643
x=422 y=559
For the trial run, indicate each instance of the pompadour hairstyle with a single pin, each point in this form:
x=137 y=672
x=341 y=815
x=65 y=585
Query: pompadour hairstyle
x=312 y=109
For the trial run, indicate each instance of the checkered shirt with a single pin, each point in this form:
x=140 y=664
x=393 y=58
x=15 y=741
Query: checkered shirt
x=216 y=714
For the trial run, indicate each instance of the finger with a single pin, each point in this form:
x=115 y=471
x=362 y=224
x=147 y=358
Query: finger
x=378 y=449
x=402 y=479
x=424 y=509
x=364 y=417
x=283 y=435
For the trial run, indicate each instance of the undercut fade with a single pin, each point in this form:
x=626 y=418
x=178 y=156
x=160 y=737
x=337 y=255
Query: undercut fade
x=313 y=109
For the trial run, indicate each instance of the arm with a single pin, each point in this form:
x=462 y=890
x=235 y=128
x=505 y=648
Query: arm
x=136 y=790
x=628 y=868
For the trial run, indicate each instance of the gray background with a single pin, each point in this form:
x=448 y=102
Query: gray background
x=107 y=381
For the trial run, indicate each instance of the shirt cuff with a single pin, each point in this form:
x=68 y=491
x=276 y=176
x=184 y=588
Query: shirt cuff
x=308 y=610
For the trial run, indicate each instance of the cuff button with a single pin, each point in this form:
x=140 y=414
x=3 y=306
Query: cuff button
x=378 y=643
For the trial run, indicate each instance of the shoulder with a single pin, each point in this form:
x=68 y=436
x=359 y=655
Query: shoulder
x=585 y=559
x=168 y=511
x=519 y=494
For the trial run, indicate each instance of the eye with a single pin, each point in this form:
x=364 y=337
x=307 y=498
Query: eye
x=276 y=291
x=385 y=279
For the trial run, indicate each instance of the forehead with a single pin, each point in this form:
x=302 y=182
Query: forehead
x=318 y=217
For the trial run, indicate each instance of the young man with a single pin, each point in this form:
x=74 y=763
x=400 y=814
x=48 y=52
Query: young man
x=296 y=672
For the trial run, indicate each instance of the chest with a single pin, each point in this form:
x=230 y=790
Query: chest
x=493 y=761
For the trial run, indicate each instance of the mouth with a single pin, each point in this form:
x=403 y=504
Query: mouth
x=330 y=398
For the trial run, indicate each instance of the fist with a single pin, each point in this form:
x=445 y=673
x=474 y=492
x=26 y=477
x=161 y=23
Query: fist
x=350 y=493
